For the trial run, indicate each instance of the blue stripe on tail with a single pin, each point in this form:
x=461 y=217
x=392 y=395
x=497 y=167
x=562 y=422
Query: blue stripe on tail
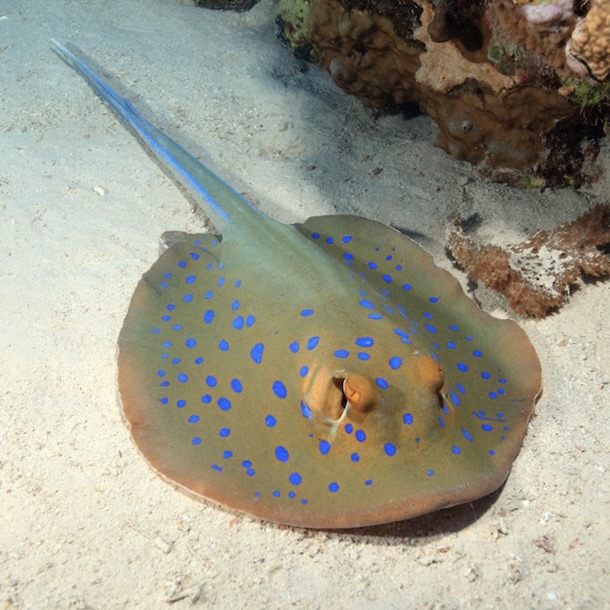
x=168 y=151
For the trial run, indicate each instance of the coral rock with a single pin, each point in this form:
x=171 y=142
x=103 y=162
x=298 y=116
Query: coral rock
x=443 y=67
x=590 y=43
x=494 y=75
x=537 y=275
x=544 y=30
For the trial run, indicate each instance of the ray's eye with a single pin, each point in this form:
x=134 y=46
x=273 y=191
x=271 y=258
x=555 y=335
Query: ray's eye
x=428 y=374
x=360 y=393
x=331 y=394
x=355 y=390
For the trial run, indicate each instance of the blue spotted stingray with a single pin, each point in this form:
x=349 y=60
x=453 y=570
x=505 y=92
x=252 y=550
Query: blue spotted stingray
x=323 y=375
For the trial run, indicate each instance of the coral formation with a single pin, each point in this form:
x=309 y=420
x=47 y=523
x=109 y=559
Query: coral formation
x=543 y=30
x=590 y=42
x=494 y=75
x=364 y=54
x=537 y=276
x=572 y=37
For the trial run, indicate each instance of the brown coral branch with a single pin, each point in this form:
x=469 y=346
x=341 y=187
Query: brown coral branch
x=537 y=275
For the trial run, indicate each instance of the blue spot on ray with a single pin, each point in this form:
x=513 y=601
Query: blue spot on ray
x=395 y=362
x=224 y=404
x=313 y=343
x=390 y=449
x=279 y=389
x=360 y=436
x=211 y=381
x=382 y=383
x=281 y=454
x=256 y=353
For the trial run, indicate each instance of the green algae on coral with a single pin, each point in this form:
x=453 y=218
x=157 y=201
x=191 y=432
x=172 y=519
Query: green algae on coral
x=294 y=18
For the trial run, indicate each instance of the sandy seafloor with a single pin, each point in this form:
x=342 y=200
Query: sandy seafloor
x=84 y=522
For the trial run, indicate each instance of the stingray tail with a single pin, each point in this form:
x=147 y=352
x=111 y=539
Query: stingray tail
x=222 y=203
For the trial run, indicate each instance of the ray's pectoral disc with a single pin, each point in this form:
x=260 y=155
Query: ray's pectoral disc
x=376 y=396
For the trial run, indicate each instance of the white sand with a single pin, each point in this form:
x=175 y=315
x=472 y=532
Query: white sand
x=84 y=522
